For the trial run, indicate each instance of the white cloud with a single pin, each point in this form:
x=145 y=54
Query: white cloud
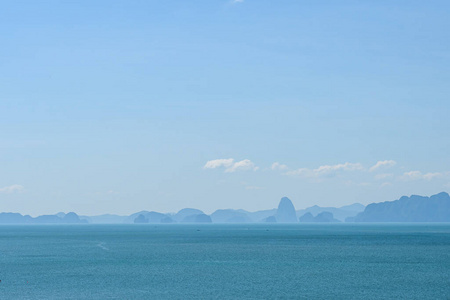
x=230 y=165
x=278 y=166
x=326 y=170
x=385 y=184
x=383 y=163
x=217 y=163
x=12 y=189
x=242 y=165
x=345 y=167
x=237 y=1
x=417 y=175
x=430 y=176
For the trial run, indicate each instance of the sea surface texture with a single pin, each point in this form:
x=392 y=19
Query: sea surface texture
x=301 y=261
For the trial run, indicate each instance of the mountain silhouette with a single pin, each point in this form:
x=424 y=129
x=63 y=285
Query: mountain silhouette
x=286 y=212
x=408 y=209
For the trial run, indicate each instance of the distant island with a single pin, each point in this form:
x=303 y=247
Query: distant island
x=406 y=209
x=60 y=218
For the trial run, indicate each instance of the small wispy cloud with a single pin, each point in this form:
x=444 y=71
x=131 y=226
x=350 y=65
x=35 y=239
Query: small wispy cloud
x=278 y=166
x=217 y=163
x=15 y=188
x=230 y=165
x=382 y=164
x=385 y=184
x=243 y=165
x=326 y=170
x=237 y=1
x=417 y=175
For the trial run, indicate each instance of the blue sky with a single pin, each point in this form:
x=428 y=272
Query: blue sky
x=120 y=106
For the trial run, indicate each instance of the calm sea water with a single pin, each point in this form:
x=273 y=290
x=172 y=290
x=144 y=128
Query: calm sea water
x=299 y=261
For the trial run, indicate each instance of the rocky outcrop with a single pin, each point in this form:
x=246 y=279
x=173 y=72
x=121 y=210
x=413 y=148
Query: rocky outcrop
x=307 y=218
x=408 y=209
x=15 y=218
x=286 y=212
x=72 y=218
x=340 y=213
x=141 y=219
x=151 y=217
x=185 y=212
x=323 y=217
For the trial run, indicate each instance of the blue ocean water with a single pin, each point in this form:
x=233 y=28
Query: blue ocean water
x=301 y=261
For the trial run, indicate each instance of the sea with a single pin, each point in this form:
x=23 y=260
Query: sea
x=223 y=261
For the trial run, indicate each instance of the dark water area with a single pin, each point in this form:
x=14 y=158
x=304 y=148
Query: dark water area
x=301 y=261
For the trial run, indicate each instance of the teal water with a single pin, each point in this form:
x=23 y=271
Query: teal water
x=339 y=261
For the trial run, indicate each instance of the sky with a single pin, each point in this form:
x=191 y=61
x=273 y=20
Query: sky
x=122 y=106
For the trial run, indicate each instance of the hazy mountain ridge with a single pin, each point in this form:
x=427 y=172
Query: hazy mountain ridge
x=322 y=217
x=230 y=216
x=105 y=219
x=60 y=218
x=340 y=213
x=186 y=213
x=406 y=209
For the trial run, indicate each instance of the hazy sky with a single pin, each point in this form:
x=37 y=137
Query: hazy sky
x=120 y=106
